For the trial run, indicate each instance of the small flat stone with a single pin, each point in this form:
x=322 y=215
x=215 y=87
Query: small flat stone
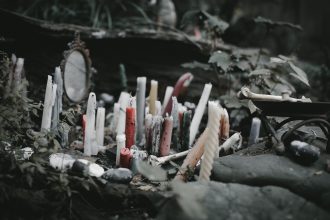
x=304 y=152
x=120 y=175
x=61 y=161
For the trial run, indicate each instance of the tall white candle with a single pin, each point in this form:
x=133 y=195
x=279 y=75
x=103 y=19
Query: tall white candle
x=254 y=132
x=47 y=111
x=59 y=81
x=140 y=108
x=212 y=141
x=18 y=74
x=57 y=106
x=167 y=96
x=100 y=126
x=124 y=101
x=90 y=125
x=153 y=97
x=120 y=139
x=199 y=112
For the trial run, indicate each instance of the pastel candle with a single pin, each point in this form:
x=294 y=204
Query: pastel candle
x=167 y=97
x=90 y=125
x=157 y=122
x=194 y=155
x=124 y=101
x=153 y=97
x=148 y=132
x=130 y=127
x=120 y=140
x=100 y=117
x=140 y=108
x=125 y=158
x=47 y=111
x=254 y=132
x=225 y=125
x=166 y=137
x=185 y=130
x=212 y=141
x=182 y=83
x=199 y=111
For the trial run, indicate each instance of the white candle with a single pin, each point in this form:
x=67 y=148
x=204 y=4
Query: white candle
x=158 y=108
x=175 y=112
x=148 y=133
x=212 y=141
x=153 y=96
x=199 y=112
x=167 y=96
x=120 y=139
x=47 y=111
x=114 y=123
x=100 y=126
x=59 y=81
x=140 y=108
x=90 y=125
x=254 y=132
x=18 y=74
x=235 y=139
x=157 y=122
x=124 y=101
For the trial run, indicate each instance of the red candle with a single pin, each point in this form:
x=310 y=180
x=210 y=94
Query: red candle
x=181 y=85
x=125 y=158
x=130 y=127
x=166 y=137
x=84 y=119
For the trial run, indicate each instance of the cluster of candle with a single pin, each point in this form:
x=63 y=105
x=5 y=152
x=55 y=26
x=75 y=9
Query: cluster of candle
x=52 y=102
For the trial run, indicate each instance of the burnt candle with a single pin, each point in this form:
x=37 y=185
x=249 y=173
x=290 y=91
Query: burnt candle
x=130 y=127
x=125 y=158
x=156 y=134
x=148 y=131
x=185 y=130
x=166 y=136
x=180 y=86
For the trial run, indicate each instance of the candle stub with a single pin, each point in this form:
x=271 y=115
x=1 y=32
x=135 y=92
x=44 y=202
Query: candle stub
x=120 y=139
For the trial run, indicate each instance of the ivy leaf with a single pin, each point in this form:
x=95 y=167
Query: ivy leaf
x=221 y=59
x=299 y=74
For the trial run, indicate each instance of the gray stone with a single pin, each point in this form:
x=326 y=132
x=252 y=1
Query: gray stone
x=311 y=182
x=215 y=200
x=120 y=175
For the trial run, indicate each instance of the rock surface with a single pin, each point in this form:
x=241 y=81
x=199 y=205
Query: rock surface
x=120 y=175
x=234 y=201
x=310 y=182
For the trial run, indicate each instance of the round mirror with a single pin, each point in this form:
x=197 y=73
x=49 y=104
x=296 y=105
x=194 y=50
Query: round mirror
x=75 y=76
x=76 y=68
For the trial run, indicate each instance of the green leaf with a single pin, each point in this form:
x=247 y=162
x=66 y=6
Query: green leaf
x=299 y=74
x=221 y=59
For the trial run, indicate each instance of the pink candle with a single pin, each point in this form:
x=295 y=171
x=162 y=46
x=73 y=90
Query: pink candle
x=180 y=86
x=125 y=158
x=130 y=127
x=166 y=136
